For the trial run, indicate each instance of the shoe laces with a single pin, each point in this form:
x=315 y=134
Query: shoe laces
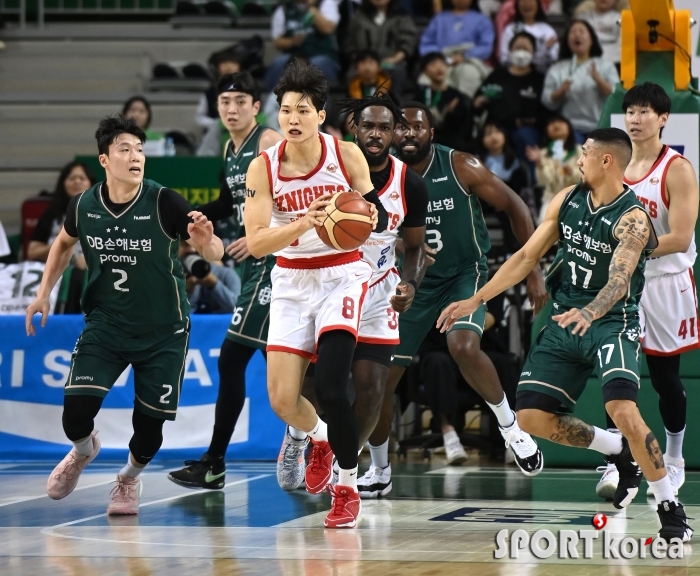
x=69 y=468
x=121 y=490
x=340 y=499
x=607 y=469
x=316 y=459
x=520 y=442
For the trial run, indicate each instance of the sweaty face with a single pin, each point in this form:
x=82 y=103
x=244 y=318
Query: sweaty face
x=237 y=110
x=125 y=160
x=138 y=111
x=642 y=123
x=413 y=141
x=375 y=132
x=76 y=182
x=298 y=118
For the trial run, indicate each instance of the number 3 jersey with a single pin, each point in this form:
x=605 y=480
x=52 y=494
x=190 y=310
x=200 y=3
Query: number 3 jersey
x=135 y=278
x=586 y=246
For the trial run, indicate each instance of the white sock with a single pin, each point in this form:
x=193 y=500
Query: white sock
x=380 y=455
x=451 y=435
x=662 y=490
x=297 y=434
x=320 y=431
x=130 y=469
x=84 y=446
x=605 y=442
x=348 y=478
x=674 y=444
x=504 y=415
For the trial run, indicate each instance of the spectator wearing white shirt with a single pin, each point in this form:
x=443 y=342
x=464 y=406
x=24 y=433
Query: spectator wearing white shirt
x=301 y=28
x=604 y=15
x=578 y=85
x=530 y=17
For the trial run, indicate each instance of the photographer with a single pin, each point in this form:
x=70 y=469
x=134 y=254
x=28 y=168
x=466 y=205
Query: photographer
x=211 y=288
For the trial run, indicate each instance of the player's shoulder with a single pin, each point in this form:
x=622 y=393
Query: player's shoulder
x=268 y=138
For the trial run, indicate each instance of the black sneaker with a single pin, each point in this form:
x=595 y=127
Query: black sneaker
x=630 y=476
x=205 y=473
x=673 y=521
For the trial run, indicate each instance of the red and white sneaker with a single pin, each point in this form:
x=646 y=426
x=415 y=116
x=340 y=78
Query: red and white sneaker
x=320 y=467
x=346 y=508
x=65 y=476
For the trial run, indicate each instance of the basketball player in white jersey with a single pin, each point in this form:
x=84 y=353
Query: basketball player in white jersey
x=665 y=182
x=317 y=292
x=405 y=197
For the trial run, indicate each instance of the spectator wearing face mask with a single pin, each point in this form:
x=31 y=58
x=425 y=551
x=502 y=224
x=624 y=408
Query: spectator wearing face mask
x=511 y=95
x=530 y=17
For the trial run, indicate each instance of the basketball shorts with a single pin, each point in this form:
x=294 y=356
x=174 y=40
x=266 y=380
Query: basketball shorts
x=306 y=302
x=251 y=317
x=560 y=363
x=668 y=314
x=430 y=300
x=380 y=322
x=157 y=357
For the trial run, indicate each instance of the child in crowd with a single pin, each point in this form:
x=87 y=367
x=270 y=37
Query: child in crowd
x=368 y=75
x=556 y=164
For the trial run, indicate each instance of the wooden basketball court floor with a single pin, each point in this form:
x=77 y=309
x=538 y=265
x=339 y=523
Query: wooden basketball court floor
x=437 y=521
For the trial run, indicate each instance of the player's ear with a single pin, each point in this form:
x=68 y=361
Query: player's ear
x=321 y=117
x=256 y=107
x=664 y=119
x=432 y=134
x=104 y=160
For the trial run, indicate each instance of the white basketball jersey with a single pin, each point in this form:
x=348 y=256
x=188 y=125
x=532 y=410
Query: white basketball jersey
x=651 y=192
x=292 y=196
x=379 y=249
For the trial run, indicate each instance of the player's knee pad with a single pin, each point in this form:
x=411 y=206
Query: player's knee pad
x=147 y=438
x=79 y=415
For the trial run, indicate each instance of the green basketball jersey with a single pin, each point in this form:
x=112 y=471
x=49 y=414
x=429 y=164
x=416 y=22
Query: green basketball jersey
x=586 y=246
x=135 y=278
x=455 y=225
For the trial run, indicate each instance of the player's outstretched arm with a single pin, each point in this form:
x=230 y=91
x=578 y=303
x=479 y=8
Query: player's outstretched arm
x=513 y=270
x=358 y=172
x=683 y=197
x=202 y=237
x=480 y=180
x=56 y=263
x=262 y=239
x=633 y=231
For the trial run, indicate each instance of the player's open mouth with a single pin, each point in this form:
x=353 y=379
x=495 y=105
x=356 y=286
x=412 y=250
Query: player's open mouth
x=294 y=132
x=409 y=147
x=374 y=148
x=135 y=170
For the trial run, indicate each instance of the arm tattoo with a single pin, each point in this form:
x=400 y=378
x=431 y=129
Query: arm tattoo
x=572 y=432
x=654 y=451
x=633 y=231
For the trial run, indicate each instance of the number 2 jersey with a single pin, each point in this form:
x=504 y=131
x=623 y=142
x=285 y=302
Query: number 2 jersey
x=135 y=279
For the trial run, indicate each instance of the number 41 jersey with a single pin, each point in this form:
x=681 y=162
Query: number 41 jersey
x=135 y=278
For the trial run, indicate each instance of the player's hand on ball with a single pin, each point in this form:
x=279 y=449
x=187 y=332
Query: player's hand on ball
x=402 y=301
x=373 y=214
x=201 y=230
x=536 y=291
x=457 y=310
x=40 y=305
x=582 y=319
x=238 y=250
x=316 y=213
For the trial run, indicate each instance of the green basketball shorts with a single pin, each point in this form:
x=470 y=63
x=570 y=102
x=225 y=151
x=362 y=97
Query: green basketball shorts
x=430 y=300
x=157 y=357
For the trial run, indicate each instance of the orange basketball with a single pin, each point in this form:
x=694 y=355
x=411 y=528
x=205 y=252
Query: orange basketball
x=348 y=222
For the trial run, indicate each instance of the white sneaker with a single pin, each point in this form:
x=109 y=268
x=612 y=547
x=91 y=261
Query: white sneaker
x=608 y=483
x=375 y=483
x=454 y=452
x=676 y=474
x=527 y=453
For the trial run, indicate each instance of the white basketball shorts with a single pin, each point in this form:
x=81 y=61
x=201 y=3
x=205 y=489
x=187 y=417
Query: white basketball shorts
x=306 y=302
x=380 y=322
x=668 y=314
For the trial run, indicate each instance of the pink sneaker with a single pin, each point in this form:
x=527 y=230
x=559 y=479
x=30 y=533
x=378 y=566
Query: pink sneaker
x=64 y=477
x=125 y=496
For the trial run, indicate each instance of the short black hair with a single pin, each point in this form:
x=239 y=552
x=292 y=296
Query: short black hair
x=565 y=52
x=239 y=82
x=111 y=127
x=647 y=94
x=363 y=55
x=141 y=99
x=430 y=57
x=225 y=56
x=420 y=106
x=617 y=139
x=570 y=142
x=304 y=78
x=541 y=15
x=523 y=34
x=384 y=98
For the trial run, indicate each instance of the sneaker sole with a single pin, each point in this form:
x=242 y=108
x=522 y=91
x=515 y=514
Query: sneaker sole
x=218 y=486
x=458 y=461
x=534 y=472
x=321 y=487
x=121 y=513
x=352 y=524
x=606 y=491
x=99 y=446
x=375 y=493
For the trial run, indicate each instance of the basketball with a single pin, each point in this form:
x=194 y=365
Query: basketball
x=348 y=222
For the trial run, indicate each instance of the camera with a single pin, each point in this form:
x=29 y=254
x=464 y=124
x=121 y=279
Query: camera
x=195 y=265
